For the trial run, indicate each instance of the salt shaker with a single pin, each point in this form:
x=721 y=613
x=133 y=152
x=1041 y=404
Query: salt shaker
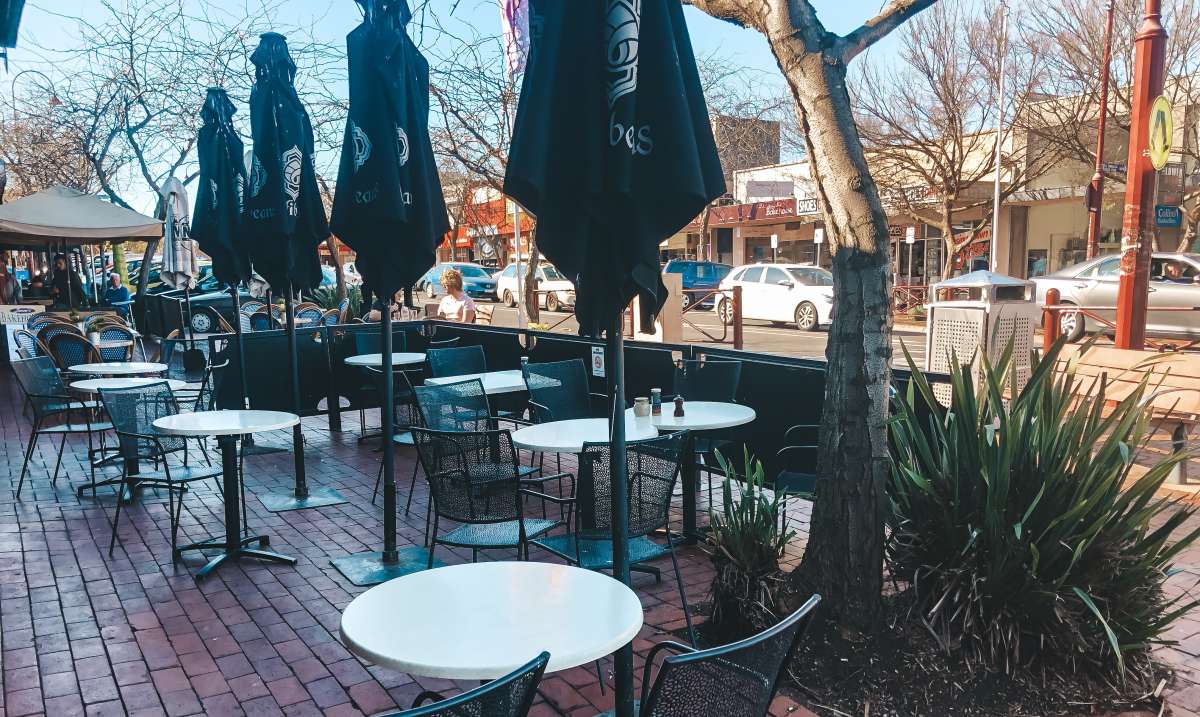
x=641 y=407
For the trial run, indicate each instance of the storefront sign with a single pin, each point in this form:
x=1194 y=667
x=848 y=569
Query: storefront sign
x=1168 y=216
x=819 y=235
x=598 y=361
x=807 y=206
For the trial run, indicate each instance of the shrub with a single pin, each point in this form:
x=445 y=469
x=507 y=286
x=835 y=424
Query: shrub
x=1019 y=529
x=327 y=298
x=745 y=542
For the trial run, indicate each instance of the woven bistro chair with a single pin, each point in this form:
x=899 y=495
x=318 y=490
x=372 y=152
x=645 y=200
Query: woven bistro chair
x=116 y=332
x=474 y=480
x=509 y=696
x=29 y=345
x=72 y=350
x=735 y=680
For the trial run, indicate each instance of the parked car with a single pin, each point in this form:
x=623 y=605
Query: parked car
x=477 y=281
x=785 y=293
x=698 y=276
x=353 y=278
x=557 y=290
x=1174 y=283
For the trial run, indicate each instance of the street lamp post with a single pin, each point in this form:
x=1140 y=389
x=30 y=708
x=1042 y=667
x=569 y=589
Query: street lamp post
x=1133 y=294
x=1096 y=188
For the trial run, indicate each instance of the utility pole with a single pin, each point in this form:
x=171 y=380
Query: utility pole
x=1133 y=294
x=1003 y=9
x=1095 y=198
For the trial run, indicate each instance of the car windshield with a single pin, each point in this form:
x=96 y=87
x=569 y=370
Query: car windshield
x=710 y=272
x=813 y=277
x=551 y=273
x=474 y=271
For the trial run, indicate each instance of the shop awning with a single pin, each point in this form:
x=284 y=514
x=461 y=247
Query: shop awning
x=58 y=214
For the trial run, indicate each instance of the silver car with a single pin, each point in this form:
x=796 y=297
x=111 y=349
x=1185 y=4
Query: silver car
x=1174 y=283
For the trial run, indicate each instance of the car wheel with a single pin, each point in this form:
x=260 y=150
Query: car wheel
x=806 y=317
x=687 y=299
x=202 y=323
x=1071 y=324
x=725 y=312
x=509 y=301
x=552 y=302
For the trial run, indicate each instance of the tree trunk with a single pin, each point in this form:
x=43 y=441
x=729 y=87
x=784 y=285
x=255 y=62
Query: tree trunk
x=532 y=308
x=844 y=557
x=704 y=246
x=946 y=225
x=339 y=272
x=119 y=265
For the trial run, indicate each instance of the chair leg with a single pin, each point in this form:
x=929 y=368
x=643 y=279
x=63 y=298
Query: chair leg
x=432 y=544
x=33 y=436
x=112 y=541
x=687 y=613
x=58 y=463
x=600 y=675
x=379 y=482
x=412 y=486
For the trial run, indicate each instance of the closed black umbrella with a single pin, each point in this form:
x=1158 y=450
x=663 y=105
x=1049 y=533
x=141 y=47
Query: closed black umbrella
x=389 y=208
x=283 y=218
x=613 y=152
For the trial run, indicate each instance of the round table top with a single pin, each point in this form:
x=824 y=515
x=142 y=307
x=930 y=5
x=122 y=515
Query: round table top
x=94 y=385
x=119 y=368
x=376 y=360
x=225 y=423
x=700 y=416
x=436 y=623
x=569 y=436
x=494 y=382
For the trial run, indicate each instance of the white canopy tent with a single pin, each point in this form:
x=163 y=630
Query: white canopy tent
x=58 y=216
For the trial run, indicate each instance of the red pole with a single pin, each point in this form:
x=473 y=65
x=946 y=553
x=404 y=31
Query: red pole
x=1096 y=189
x=1136 y=233
x=1051 y=324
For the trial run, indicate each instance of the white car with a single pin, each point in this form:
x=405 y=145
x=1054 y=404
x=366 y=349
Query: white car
x=353 y=278
x=557 y=291
x=793 y=293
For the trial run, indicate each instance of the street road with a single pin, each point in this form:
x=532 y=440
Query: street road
x=758 y=336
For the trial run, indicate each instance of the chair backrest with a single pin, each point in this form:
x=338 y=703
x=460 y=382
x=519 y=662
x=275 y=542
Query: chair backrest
x=331 y=317
x=210 y=387
x=652 y=467
x=371 y=342
x=251 y=306
x=461 y=406
x=472 y=475
x=509 y=696
x=37 y=321
x=133 y=412
x=441 y=343
x=457 y=361
x=116 y=332
x=27 y=343
x=709 y=380
x=260 y=320
x=56 y=328
x=313 y=313
x=40 y=381
x=558 y=390
x=736 y=680
x=72 y=349
x=182 y=363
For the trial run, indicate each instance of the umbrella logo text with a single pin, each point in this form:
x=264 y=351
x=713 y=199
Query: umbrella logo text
x=212 y=187
x=362 y=146
x=292 y=160
x=624 y=26
x=258 y=176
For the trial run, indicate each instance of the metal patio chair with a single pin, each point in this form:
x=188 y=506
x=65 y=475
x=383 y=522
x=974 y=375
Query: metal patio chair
x=475 y=481
x=707 y=380
x=457 y=361
x=509 y=696
x=735 y=680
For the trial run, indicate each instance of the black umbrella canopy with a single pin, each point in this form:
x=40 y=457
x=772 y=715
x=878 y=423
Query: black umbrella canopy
x=389 y=206
x=612 y=147
x=219 y=194
x=283 y=219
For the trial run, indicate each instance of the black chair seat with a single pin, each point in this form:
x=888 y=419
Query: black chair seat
x=496 y=535
x=64 y=406
x=76 y=427
x=595 y=554
x=179 y=474
x=795 y=483
x=403 y=439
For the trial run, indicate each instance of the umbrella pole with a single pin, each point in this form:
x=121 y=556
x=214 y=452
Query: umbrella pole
x=187 y=302
x=618 y=469
x=237 y=332
x=301 y=498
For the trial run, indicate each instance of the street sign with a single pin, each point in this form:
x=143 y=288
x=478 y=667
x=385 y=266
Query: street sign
x=774 y=241
x=1167 y=216
x=1162 y=128
x=910 y=235
x=819 y=235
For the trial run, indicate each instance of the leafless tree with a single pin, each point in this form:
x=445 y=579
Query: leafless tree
x=844 y=556
x=928 y=118
x=1072 y=34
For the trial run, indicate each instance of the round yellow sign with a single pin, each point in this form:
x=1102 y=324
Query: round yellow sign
x=1162 y=127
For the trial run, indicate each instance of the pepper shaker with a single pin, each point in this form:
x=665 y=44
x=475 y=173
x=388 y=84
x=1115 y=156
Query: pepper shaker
x=679 y=406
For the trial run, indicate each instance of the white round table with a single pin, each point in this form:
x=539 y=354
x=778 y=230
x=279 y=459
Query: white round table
x=481 y=621
x=494 y=382
x=228 y=426
x=569 y=436
x=376 y=360
x=118 y=368
x=95 y=385
x=699 y=416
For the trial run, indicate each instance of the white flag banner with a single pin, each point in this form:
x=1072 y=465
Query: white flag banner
x=514 y=16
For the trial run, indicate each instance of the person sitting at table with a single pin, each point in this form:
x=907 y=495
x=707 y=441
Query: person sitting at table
x=456 y=305
x=115 y=294
x=376 y=312
x=65 y=285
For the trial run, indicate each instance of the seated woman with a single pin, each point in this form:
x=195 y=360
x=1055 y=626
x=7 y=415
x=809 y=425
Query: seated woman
x=456 y=305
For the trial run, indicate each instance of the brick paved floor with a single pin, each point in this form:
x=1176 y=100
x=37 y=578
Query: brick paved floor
x=83 y=633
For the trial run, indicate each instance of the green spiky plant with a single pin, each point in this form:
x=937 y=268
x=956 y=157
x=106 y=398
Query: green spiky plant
x=1019 y=529
x=746 y=541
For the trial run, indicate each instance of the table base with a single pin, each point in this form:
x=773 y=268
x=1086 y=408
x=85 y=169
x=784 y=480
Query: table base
x=319 y=498
x=238 y=553
x=371 y=569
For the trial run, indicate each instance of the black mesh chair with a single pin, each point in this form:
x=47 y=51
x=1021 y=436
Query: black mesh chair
x=509 y=696
x=464 y=406
x=133 y=412
x=653 y=467
x=558 y=391
x=72 y=350
x=475 y=481
x=736 y=680
x=707 y=380
x=55 y=412
x=797 y=461
x=370 y=342
x=405 y=415
x=457 y=361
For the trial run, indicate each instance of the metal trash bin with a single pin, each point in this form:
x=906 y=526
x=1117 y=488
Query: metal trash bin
x=980 y=312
